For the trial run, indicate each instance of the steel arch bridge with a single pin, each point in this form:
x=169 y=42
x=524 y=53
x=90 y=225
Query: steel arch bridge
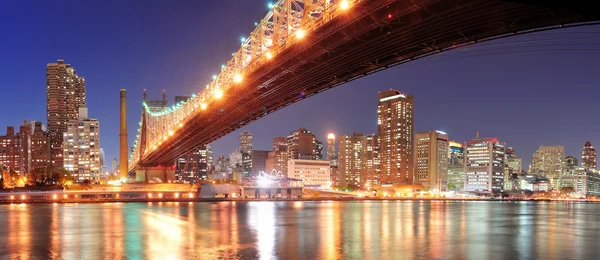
x=303 y=47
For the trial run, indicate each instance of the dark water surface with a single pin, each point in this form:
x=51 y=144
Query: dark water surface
x=301 y=230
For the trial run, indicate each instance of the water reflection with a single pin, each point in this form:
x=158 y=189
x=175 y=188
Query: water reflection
x=301 y=230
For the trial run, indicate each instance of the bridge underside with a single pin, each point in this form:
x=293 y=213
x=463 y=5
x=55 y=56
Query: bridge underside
x=372 y=36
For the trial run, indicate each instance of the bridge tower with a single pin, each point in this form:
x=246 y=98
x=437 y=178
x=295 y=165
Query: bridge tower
x=123 y=169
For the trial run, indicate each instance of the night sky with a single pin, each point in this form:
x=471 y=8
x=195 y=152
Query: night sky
x=529 y=90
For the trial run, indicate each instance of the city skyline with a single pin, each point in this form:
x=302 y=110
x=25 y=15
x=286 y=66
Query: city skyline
x=525 y=83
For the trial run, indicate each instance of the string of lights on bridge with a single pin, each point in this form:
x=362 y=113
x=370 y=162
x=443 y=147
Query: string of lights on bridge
x=256 y=50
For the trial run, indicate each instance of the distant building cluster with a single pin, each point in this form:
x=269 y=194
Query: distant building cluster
x=71 y=139
x=398 y=155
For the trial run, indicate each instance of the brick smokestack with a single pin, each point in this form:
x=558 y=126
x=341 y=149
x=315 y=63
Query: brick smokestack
x=123 y=158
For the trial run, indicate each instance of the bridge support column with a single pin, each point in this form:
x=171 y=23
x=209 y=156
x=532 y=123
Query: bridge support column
x=152 y=174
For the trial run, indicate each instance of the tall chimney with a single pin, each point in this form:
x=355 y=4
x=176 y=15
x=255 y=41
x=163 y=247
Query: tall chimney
x=123 y=160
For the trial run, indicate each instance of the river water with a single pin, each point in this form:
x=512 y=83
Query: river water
x=302 y=230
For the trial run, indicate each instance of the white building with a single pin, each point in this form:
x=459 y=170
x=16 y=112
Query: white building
x=313 y=173
x=548 y=161
x=81 y=147
x=484 y=168
x=431 y=160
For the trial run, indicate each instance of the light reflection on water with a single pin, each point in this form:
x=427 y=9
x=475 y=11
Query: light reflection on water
x=301 y=230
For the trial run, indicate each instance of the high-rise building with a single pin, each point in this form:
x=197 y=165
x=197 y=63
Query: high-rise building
x=102 y=164
x=512 y=167
x=358 y=164
x=259 y=161
x=456 y=166
x=431 y=160
x=24 y=135
x=588 y=156
x=65 y=94
x=302 y=144
x=395 y=128
x=349 y=167
x=280 y=144
x=319 y=150
x=548 y=161
x=195 y=165
x=484 y=165
x=276 y=163
x=245 y=142
x=10 y=151
x=331 y=155
x=235 y=159
x=81 y=143
x=313 y=173
x=115 y=167
x=246 y=150
x=40 y=147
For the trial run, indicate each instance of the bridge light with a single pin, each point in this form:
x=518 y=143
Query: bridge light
x=237 y=78
x=165 y=138
x=243 y=39
x=22 y=197
x=176 y=195
x=269 y=55
x=203 y=106
x=65 y=196
x=149 y=195
x=180 y=125
x=12 y=197
x=344 y=5
x=270 y=5
x=54 y=196
x=300 y=34
x=218 y=93
x=160 y=195
x=214 y=77
x=171 y=132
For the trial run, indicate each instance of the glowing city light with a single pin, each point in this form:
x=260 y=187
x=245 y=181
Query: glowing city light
x=203 y=106
x=22 y=197
x=180 y=125
x=65 y=196
x=344 y=5
x=12 y=197
x=269 y=55
x=243 y=39
x=300 y=34
x=330 y=136
x=176 y=195
x=214 y=77
x=149 y=195
x=270 y=5
x=171 y=133
x=54 y=196
x=218 y=93
x=237 y=78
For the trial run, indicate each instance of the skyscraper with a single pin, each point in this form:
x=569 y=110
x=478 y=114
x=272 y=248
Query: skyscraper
x=512 y=167
x=431 y=160
x=246 y=150
x=358 y=165
x=349 y=161
x=395 y=128
x=40 y=147
x=302 y=144
x=484 y=165
x=331 y=147
x=456 y=166
x=548 y=162
x=65 y=94
x=81 y=144
x=588 y=156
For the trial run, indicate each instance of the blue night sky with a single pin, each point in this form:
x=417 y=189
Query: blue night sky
x=530 y=90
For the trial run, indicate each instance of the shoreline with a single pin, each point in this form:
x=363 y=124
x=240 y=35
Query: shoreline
x=191 y=200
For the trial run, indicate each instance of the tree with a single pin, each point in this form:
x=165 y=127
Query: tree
x=451 y=186
x=566 y=190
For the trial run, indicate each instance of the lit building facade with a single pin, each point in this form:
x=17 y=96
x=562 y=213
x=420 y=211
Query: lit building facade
x=512 y=167
x=585 y=181
x=195 y=165
x=456 y=166
x=277 y=159
x=40 y=147
x=314 y=174
x=11 y=151
x=588 y=156
x=548 y=162
x=65 y=94
x=303 y=144
x=395 y=128
x=246 y=150
x=82 y=148
x=358 y=164
x=259 y=161
x=484 y=166
x=431 y=160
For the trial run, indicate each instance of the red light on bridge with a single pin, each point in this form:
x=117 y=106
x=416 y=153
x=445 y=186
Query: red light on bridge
x=389 y=16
